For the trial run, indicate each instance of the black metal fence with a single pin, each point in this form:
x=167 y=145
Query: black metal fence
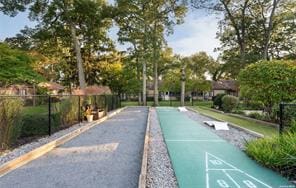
x=25 y=118
x=134 y=99
x=287 y=114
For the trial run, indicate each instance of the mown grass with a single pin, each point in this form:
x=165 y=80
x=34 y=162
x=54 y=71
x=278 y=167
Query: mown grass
x=31 y=110
x=251 y=125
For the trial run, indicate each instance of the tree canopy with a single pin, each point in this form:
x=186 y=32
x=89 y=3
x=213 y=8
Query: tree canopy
x=269 y=82
x=16 y=67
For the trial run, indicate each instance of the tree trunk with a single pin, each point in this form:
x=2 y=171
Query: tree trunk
x=269 y=29
x=155 y=83
x=81 y=75
x=183 y=87
x=139 y=78
x=144 y=83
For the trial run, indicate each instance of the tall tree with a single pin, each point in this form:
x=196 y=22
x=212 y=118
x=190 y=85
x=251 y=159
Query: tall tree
x=143 y=24
x=235 y=13
x=162 y=16
x=133 y=29
x=66 y=24
x=16 y=67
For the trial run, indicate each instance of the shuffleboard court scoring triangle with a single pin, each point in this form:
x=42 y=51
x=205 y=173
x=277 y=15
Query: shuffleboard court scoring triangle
x=214 y=163
x=220 y=173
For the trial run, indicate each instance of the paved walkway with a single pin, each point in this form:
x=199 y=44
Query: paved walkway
x=108 y=155
x=201 y=159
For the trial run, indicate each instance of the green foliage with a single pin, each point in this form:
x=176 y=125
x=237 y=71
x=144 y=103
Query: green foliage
x=36 y=124
x=269 y=82
x=10 y=121
x=229 y=102
x=69 y=111
x=12 y=7
x=277 y=153
x=16 y=67
x=289 y=116
x=217 y=100
x=255 y=115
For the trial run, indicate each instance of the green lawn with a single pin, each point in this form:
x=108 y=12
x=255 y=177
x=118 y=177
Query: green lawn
x=35 y=109
x=251 y=125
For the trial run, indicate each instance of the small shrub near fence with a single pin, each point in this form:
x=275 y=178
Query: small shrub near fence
x=28 y=117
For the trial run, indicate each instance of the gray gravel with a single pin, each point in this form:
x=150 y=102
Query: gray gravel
x=108 y=155
x=234 y=136
x=160 y=172
x=10 y=155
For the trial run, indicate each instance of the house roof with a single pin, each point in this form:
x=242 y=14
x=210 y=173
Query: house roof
x=225 y=85
x=92 y=90
x=51 y=86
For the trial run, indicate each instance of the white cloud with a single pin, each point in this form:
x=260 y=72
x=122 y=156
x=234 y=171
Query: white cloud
x=196 y=34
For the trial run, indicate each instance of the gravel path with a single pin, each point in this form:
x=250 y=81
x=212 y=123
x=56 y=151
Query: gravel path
x=10 y=155
x=160 y=173
x=234 y=136
x=108 y=155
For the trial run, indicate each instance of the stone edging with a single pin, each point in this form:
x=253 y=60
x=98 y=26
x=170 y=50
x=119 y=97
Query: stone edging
x=256 y=134
x=143 y=175
x=38 y=152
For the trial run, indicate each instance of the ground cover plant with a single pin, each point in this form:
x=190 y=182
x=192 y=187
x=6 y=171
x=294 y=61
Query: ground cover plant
x=277 y=153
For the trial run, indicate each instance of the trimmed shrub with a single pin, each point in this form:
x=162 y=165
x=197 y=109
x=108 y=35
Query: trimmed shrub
x=277 y=153
x=240 y=112
x=255 y=115
x=229 y=102
x=37 y=124
x=10 y=121
x=217 y=100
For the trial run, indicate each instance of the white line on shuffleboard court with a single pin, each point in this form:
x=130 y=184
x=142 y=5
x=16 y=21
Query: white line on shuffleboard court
x=236 y=169
x=228 y=169
x=207 y=173
x=168 y=140
x=236 y=184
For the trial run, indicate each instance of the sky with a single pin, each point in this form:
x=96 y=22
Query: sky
x=197 y=33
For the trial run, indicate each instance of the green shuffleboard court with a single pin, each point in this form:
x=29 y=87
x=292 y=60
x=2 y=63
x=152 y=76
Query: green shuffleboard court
x=201 y=159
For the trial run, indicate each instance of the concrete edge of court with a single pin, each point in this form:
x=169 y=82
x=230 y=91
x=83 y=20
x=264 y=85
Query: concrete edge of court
x=41 y=150
x=143 y=173
x=256 y=134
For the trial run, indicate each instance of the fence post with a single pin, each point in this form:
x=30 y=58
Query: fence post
x=112 y=102
x=281 y=118
x=119 y=101
x=192 y=100
x=170 y=100
x=49 y=115
x=79 y=112
x=106 y=105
